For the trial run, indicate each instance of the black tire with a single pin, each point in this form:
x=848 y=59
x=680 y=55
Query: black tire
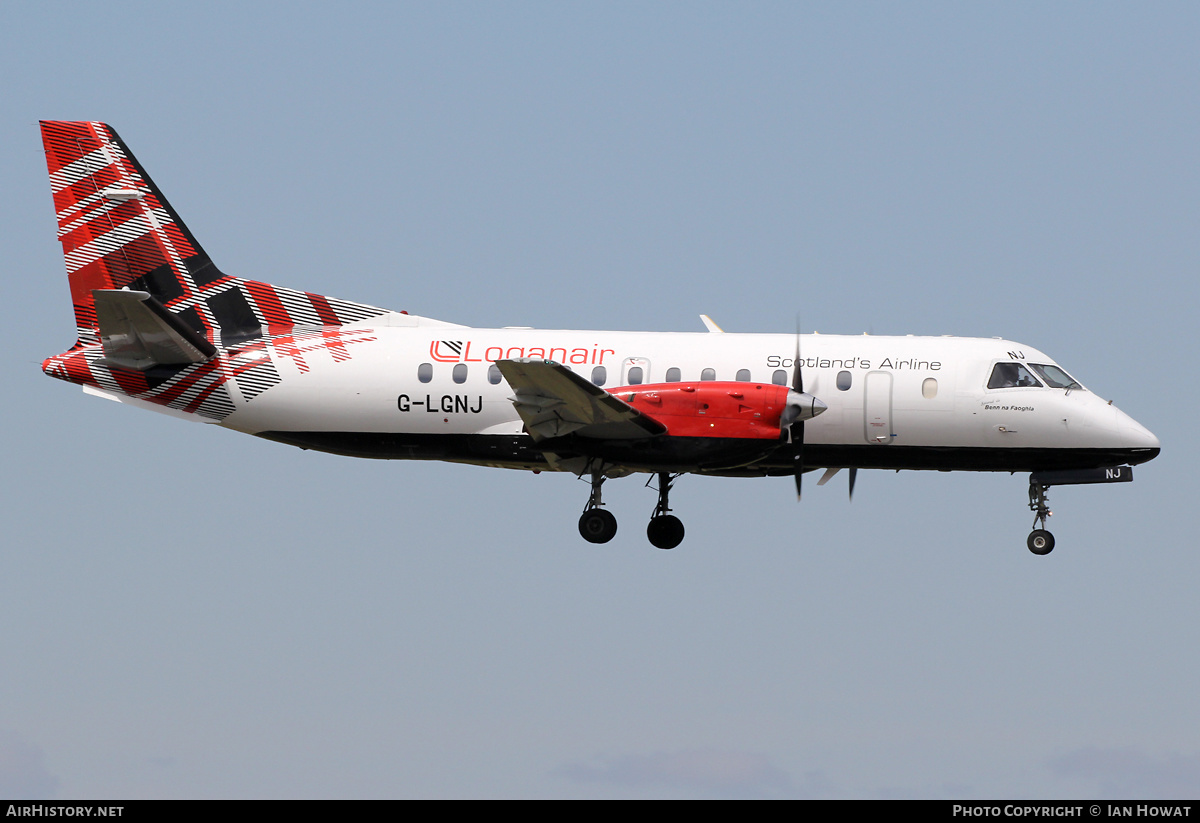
x=665 y=531
x=1040 y=541
x=597 y=526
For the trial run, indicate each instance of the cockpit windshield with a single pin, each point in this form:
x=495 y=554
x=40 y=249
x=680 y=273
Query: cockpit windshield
x=1012 y=375
x=1055 y=377
x=1020 y=375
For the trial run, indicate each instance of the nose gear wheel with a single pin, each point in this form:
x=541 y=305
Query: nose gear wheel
x=1040 y=541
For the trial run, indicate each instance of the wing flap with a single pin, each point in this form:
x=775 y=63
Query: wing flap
x=553 y=401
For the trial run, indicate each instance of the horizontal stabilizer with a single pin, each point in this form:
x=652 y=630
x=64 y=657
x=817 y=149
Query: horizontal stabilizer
x=138 y=332
x=554 y=402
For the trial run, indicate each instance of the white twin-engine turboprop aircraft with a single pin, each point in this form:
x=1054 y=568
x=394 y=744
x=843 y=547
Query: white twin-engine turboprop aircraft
x=161 y=327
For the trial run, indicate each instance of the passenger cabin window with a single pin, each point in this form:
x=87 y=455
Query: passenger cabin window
x=494 y=374
x=742 y=376
x=599 y=375
x=844 y=380
x=1055 y=377
x=635 y=375
x=425 y=372
x=672 y=375
x=929 y=388
x=708 y=374
x=459 y=373
x=779 y=378
x=1011 y=376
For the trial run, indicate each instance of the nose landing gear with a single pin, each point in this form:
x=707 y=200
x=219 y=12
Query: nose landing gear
x=1040 y=541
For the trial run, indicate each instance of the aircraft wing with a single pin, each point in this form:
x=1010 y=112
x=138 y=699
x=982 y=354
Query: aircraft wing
x=554 y=401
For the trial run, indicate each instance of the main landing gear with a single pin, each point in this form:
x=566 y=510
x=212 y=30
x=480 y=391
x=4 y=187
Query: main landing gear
x=597 y=525
x=1040 y=541
x=665 y=530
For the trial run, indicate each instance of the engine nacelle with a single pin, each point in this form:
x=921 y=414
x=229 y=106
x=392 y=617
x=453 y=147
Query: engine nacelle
x=720 y=409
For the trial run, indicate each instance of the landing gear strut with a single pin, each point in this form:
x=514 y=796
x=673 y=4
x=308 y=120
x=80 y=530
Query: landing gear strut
x=1040 y=541
x=665 y=530
x=597 y=525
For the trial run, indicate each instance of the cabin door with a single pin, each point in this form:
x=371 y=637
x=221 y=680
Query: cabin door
x=877 y=408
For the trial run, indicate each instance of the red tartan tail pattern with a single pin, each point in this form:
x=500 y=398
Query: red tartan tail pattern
x=118 y=231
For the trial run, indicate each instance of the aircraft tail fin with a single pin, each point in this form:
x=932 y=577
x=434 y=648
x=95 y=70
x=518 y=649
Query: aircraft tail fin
x=119 y=232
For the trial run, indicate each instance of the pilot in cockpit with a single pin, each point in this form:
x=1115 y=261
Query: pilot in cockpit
x=1011 y=375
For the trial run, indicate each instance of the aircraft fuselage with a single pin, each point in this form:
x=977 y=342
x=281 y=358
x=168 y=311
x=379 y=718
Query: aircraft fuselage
x=892 y=402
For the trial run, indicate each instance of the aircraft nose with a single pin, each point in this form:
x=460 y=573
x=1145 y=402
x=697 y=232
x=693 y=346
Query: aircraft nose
x=1138 y=438
x=1141 y=437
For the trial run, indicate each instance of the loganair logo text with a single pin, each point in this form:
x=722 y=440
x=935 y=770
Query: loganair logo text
x=458 y=351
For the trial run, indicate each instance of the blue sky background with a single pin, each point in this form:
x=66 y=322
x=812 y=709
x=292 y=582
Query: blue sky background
x=188 y=612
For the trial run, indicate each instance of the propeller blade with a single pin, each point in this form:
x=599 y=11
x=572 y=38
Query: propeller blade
x=798 y=457
x=797 y=377
x=853 y=477
x=827 y=476
x=799 y=408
